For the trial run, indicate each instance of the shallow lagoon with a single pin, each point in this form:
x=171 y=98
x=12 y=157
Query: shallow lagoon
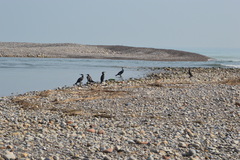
x=20 y=75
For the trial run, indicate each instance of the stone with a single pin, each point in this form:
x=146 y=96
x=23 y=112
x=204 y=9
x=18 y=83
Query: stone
x=101 y=131
x=166 y=157
x=195 y=145
x=162 y=152
x=109 y=150
x=164 y=142
x=56 y=157
x=142 y=132
x=191 y=152
x=131 y=141
x=91 y=130
x=107 y=157
x=141 y=142
x=235 y=141
x=189 y=132
x=195 y=158
x=182 y=144
x=24 y=155
x=150 y=157
x=118 y=148
x=9 y=155
x=69 y=122
x=9 y=147
x=132 y=158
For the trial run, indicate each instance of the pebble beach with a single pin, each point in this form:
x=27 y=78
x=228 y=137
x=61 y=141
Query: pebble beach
x=166 y=115
x=72 y=50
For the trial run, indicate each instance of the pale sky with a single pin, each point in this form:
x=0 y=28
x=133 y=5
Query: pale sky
x=143 y=23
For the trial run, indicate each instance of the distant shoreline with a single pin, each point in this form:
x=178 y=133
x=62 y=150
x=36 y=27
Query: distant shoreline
x=70 y=50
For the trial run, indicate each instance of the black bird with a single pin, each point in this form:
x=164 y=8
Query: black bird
x=89 y=79
x=120 y=73
x=102 y=77
x=80 y=80
x=190 y=74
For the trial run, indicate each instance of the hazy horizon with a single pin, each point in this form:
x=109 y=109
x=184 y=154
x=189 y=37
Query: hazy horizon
x=156 y=24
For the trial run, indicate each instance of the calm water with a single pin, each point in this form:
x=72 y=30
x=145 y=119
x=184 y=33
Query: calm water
x=19 y=75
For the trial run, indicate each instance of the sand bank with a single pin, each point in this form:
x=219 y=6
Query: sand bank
x=68 y=50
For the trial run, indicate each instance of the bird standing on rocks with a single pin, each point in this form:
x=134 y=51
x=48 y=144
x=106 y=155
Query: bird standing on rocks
x=120 y=73
x=190 y=74
x=89 y=79
x=80 y=80
x=102 y=77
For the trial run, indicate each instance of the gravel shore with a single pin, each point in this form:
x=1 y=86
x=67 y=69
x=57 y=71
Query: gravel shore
x=70 y=50
x=166 y=115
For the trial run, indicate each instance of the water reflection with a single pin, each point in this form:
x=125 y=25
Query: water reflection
x=19 y=75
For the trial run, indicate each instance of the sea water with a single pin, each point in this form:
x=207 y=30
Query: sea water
x=220 y=57
x=20 y=75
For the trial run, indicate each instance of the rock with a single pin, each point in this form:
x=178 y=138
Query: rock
x=132 y=158
x=142 y=132
x=92 y=130
x=166 y=157
x=182 y=144
x=9 y=155
x=212 y=135
x=109 y=150
x=190 y=153
x=131 y=141
x=118 y=148
x=93 y=125
x=162 y=152
x=48 y=158
x=69 y=122
x=164 y=142
x=195 y=158
x=189 y=132
x=9 y=147
x=107 y=158
x=101 y=131
x=150 y=157
x=24 y=155
x=235 y=141
x=42 y=158
x=195 y=145
x=56 y=157
x=141 y=142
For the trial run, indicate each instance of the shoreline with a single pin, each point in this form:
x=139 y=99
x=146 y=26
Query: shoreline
x=166 y=115
x=69 y=50
x=107 y=58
